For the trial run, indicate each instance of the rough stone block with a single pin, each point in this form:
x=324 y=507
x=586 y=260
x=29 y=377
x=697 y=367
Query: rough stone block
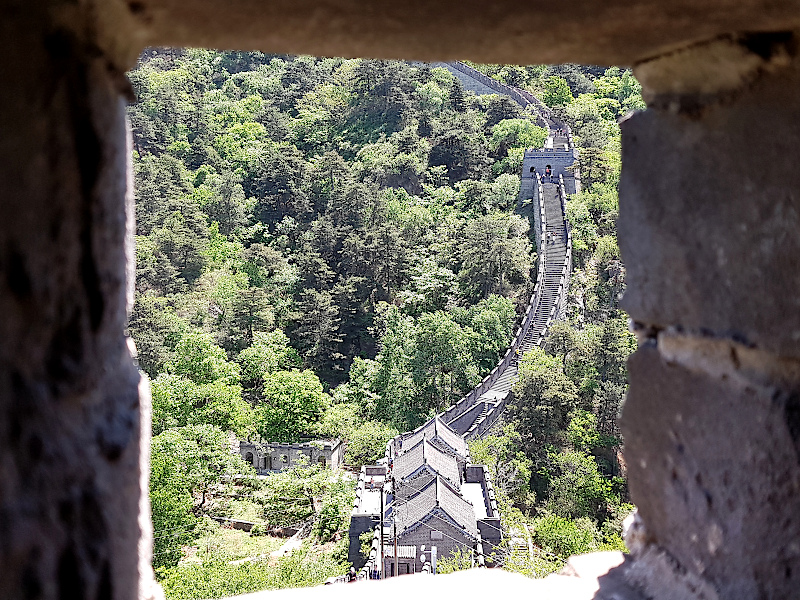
x=618 y=32
x=710 y=215
x=73 y=431
x=714 y=468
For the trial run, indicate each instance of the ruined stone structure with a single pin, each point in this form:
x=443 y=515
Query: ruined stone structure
x=709 y=218
x=271 y=457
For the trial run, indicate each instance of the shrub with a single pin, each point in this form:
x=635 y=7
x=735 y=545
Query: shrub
x=458 y=560
x=578 y=489
x=366 y=542
x=367 y=443
x=334 y=515
x=565 y=537
x=217 y=578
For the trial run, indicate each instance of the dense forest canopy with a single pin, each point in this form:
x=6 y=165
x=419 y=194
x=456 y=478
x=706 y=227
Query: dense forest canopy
x=330 y=248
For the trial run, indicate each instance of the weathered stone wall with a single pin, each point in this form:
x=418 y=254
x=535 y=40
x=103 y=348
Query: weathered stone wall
x=71 y=415
x=469 y=83
x=359 y=524
x=582 y=31
x=709 y=222
x=270 y=457
x=708 y=229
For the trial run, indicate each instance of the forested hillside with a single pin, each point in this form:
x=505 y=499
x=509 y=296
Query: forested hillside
x=329 y=247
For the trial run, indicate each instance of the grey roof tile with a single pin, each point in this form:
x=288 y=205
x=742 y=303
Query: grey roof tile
x=411 y=511
x=426 y=454
x=459 y=509
x=437 y=500
x=438 y=431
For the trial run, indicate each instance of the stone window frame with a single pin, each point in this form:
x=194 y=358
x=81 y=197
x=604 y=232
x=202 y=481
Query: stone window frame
x=64 y=225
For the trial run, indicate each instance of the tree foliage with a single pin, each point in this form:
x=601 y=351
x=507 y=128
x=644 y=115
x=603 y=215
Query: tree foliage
x=198 y=359
x=292 y=404
x=329 y=247
x=220 y=578
x=185 y=464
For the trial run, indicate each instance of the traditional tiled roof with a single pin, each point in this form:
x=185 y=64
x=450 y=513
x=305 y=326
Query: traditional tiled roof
x=423 y=455
x=438 y=431
x=408 y=513
x=458 y=508
x=435 y=502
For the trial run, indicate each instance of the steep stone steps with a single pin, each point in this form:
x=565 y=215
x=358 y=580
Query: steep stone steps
x=552 y=249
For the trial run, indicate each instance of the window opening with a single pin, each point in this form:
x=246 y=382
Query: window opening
x=273 y=231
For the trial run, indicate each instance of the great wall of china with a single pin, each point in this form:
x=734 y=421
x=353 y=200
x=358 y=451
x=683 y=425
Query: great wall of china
x=427 y=499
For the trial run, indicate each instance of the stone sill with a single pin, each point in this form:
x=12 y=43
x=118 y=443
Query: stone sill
x=597 y=576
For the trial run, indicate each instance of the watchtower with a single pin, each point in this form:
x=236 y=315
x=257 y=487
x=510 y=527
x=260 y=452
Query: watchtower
x=561 y=162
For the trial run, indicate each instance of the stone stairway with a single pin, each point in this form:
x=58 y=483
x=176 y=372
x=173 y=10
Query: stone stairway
x=554 y=249
x=475 y=414
x=555 y=252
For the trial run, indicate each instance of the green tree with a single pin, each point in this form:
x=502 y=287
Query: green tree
x=361 y=385
x=495 y=254
x=543 y=399
x=508 y=465
x=565 y=537
x=293 y=402
x=340 y=418
x=456 y=95
x=171 y=513
x=460 y=145
x=442 y=366
x=584 y=230
x=185 y=463
x=161 y=184
x=595 y=164
x=309 y=493
x=249 y=314
x=492 y=321
x=556 y=92
x=562 y=340
x=199 y=455
x=156 y=330
x=516 y=133
x=199 y=359
x=366 y=443
x=269 y=352
x=584 y=435
x=223 y=200
x=183 y=239
x=393 y=380
x=614 y=346
x=459 y=559
x=333 y=518
x=317 y=327
x=432 y=287
x=577 y=488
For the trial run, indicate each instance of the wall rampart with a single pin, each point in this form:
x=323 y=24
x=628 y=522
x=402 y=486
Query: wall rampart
x=463 y=422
